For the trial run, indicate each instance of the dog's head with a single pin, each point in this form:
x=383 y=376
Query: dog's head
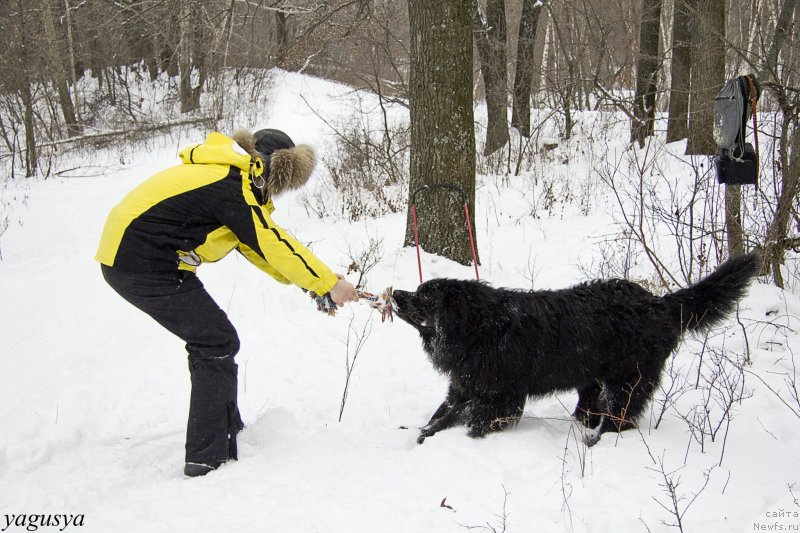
x=447 y=313
x=416 y=307
x=424 y=307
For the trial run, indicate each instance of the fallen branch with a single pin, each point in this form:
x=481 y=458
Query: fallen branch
x=124 y=133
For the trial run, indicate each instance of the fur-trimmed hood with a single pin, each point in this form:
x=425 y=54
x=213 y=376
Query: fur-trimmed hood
x=287 y=167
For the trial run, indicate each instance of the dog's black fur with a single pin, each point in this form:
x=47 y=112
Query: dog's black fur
x=607 y=339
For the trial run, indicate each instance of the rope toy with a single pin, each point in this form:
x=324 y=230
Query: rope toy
x=325 y=304
x=383 y=302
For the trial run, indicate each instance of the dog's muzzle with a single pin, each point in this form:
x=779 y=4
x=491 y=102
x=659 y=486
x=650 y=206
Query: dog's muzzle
x=406 y=310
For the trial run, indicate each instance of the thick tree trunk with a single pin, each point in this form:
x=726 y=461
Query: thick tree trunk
x=707 y=29
x=526 y=46
x=442 y=127
x=678 y=123
x=490 y=38
x=644 y=103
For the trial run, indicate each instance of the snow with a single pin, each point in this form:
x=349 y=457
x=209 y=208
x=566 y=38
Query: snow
x=95 y=395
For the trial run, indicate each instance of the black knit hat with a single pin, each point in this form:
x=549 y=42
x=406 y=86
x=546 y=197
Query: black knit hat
x=286 y=166
x=269 y=140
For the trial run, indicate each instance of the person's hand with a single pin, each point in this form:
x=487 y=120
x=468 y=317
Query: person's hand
x=343 y=292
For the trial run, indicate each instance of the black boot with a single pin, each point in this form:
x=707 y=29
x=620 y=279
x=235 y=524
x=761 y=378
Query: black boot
x=214 y=419
x=197 y=469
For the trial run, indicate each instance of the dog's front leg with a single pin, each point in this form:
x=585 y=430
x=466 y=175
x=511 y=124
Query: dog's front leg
x=453 y=416
x=494 y=413
x=454 y=397
x=440 y=412
x=588 y=410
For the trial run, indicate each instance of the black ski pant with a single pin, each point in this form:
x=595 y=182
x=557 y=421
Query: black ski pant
x=178 y=301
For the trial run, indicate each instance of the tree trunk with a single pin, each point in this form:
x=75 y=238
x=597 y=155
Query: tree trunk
x=777 y=232
x=707 y=27
x=678 y=123
x=190 y=98
x=31 y=151
x=779 y=227
x=20 y=81
x=733 y=219
x=55 y=55
x=526 y=45
x=282 y=36
x=442 y=128
x=563 y=65
x=152 y=41
x=782 y=27
x=707 y=34
x=644 y=103
x=73 y=65
x=490 y=38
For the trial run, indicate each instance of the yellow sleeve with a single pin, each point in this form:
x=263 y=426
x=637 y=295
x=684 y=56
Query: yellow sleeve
x=288 y=257
x=259 y=262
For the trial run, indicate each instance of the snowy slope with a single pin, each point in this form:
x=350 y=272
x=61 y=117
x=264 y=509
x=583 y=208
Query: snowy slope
x=95 y=395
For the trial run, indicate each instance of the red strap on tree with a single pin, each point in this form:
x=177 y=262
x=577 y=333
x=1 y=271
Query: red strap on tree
x=461 y=192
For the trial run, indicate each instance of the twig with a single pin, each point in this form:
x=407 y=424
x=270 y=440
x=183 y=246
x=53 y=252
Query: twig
x=503 y=518
x=349 y=364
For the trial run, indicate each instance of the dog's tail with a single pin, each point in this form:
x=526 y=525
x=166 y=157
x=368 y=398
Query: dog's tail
x=710 y=300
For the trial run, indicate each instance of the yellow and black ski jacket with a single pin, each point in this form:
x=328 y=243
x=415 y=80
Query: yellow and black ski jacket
x=200 y=211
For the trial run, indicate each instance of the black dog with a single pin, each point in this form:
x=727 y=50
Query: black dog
x=607 y=339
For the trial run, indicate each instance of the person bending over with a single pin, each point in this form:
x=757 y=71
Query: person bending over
x=218 y=200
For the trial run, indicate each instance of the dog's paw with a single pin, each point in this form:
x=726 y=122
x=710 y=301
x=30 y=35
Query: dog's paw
x=477 y=432
x=424 y=433
x=591 y=437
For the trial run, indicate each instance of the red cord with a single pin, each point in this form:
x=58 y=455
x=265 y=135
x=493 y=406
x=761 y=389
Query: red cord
x=469 y=232
x=416 y=239
x=471 y=241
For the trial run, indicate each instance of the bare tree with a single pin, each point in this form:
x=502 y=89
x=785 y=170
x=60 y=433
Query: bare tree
x=589 y=47
x=442 y=130
x=526 y=45
x=324 y=36
x=707 y=34
x=489 y=28
x=55 y=56
x=707 y=30
x=16 y=78
x=191 y=56
x=283 y=38
x=562 y=66
x=777 y=74
x=678 y=123
x=647 y=67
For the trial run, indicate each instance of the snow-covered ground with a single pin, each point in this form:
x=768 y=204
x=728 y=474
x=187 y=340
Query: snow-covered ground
x=94 y=395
